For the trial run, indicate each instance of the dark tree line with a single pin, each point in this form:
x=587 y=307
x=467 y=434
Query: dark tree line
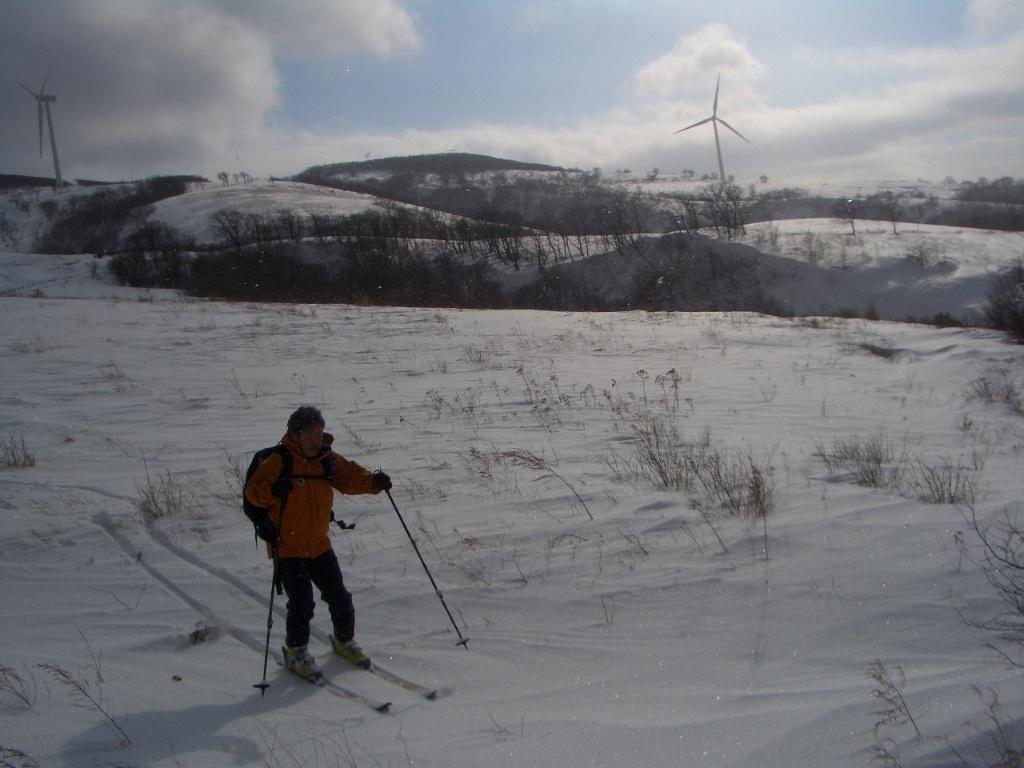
x=278 y=274
x=1005 y=190
x=390 y=254
x=491 y=235
x=94 y=223
x=563 y=202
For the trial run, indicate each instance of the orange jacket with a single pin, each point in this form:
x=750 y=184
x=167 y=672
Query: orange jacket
x=307 y=513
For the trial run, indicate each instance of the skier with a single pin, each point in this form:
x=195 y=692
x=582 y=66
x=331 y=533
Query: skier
x=298 y=516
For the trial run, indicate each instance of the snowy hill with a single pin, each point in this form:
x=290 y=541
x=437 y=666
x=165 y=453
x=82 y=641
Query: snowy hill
x=191 y=213
x=797 y=266
x=616 y=616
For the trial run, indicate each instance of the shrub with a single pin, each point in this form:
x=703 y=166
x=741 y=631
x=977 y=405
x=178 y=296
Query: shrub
x=1002 y=561
x=874 y=462
x=166 y=495
x=14 y=454
x=155 y=256
x=739 y=484
x=947 y=483
x=21 y=688
x=878 y=462
x=1005 y=309
x=996 y=387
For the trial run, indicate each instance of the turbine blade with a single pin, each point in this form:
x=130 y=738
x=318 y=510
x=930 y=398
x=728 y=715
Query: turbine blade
x=699 y=122
x=733 y=130
x=714 y=109
x=29 y=90
x=42 y=88
x=40 y=128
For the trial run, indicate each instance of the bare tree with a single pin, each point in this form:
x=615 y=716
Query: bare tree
x=1005 y=308
x=289 y=225
x=259 y=229
x=847 y=211
x=322 y=226
x=725 y=210
x=892 y=210
x=1002 y=561
x=230 y=224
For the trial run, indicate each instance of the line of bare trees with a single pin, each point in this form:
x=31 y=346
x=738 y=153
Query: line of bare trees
x=396 y=231
x=720 y=210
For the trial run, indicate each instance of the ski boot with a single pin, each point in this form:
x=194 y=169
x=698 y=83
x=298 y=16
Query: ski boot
x=299 y=661
x=350 y=651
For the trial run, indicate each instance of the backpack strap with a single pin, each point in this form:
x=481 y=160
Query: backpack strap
x=329 y=466
x=286 y=461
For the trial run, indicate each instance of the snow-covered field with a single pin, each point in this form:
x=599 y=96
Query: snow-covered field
x=611 y=622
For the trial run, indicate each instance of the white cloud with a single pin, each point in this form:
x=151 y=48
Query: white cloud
x=713 y=49
x=307 y=28
x=986 y=16
x=150 y=86
x=138 y=83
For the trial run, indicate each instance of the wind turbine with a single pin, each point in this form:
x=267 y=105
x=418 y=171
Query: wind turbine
x=44 y=100
x=715 y=120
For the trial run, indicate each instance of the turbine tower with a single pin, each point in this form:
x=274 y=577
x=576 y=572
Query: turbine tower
x=44 y=100
x=715 y=120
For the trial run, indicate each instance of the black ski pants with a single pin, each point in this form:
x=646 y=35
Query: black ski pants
x=298 y=577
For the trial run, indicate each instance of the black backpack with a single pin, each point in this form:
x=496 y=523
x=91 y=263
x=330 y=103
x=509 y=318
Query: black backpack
x=258 y=514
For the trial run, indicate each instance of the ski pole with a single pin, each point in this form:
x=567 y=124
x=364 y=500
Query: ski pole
x=275 y=586
x=462 y=640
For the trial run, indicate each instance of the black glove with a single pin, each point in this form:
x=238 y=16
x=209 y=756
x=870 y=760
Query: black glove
x=381 y=482
x=266 y=531
x=281 y=488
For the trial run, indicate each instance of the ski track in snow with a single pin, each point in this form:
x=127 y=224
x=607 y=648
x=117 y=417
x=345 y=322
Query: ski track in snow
x=216 y=618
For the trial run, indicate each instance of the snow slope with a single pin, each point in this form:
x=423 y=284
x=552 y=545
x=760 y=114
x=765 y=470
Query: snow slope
x=918 y=270
x=192 y=212
x=611 y=622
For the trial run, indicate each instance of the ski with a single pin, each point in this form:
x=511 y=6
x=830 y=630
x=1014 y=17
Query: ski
x=341 y=691
x=349 y=695
x=387 y=675
x=428 y=693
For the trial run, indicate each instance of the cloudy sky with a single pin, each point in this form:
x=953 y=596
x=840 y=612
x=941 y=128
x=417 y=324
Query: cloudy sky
x=823 y=89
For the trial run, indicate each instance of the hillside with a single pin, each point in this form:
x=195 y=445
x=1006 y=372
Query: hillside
x=509 y=234
x=447 y=164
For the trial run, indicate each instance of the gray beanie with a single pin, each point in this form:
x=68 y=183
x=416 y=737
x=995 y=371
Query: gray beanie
x=305 y=417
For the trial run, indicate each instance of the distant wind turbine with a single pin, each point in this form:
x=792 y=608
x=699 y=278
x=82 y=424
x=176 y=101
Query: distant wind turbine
x=715 y=120
x=44 y=100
